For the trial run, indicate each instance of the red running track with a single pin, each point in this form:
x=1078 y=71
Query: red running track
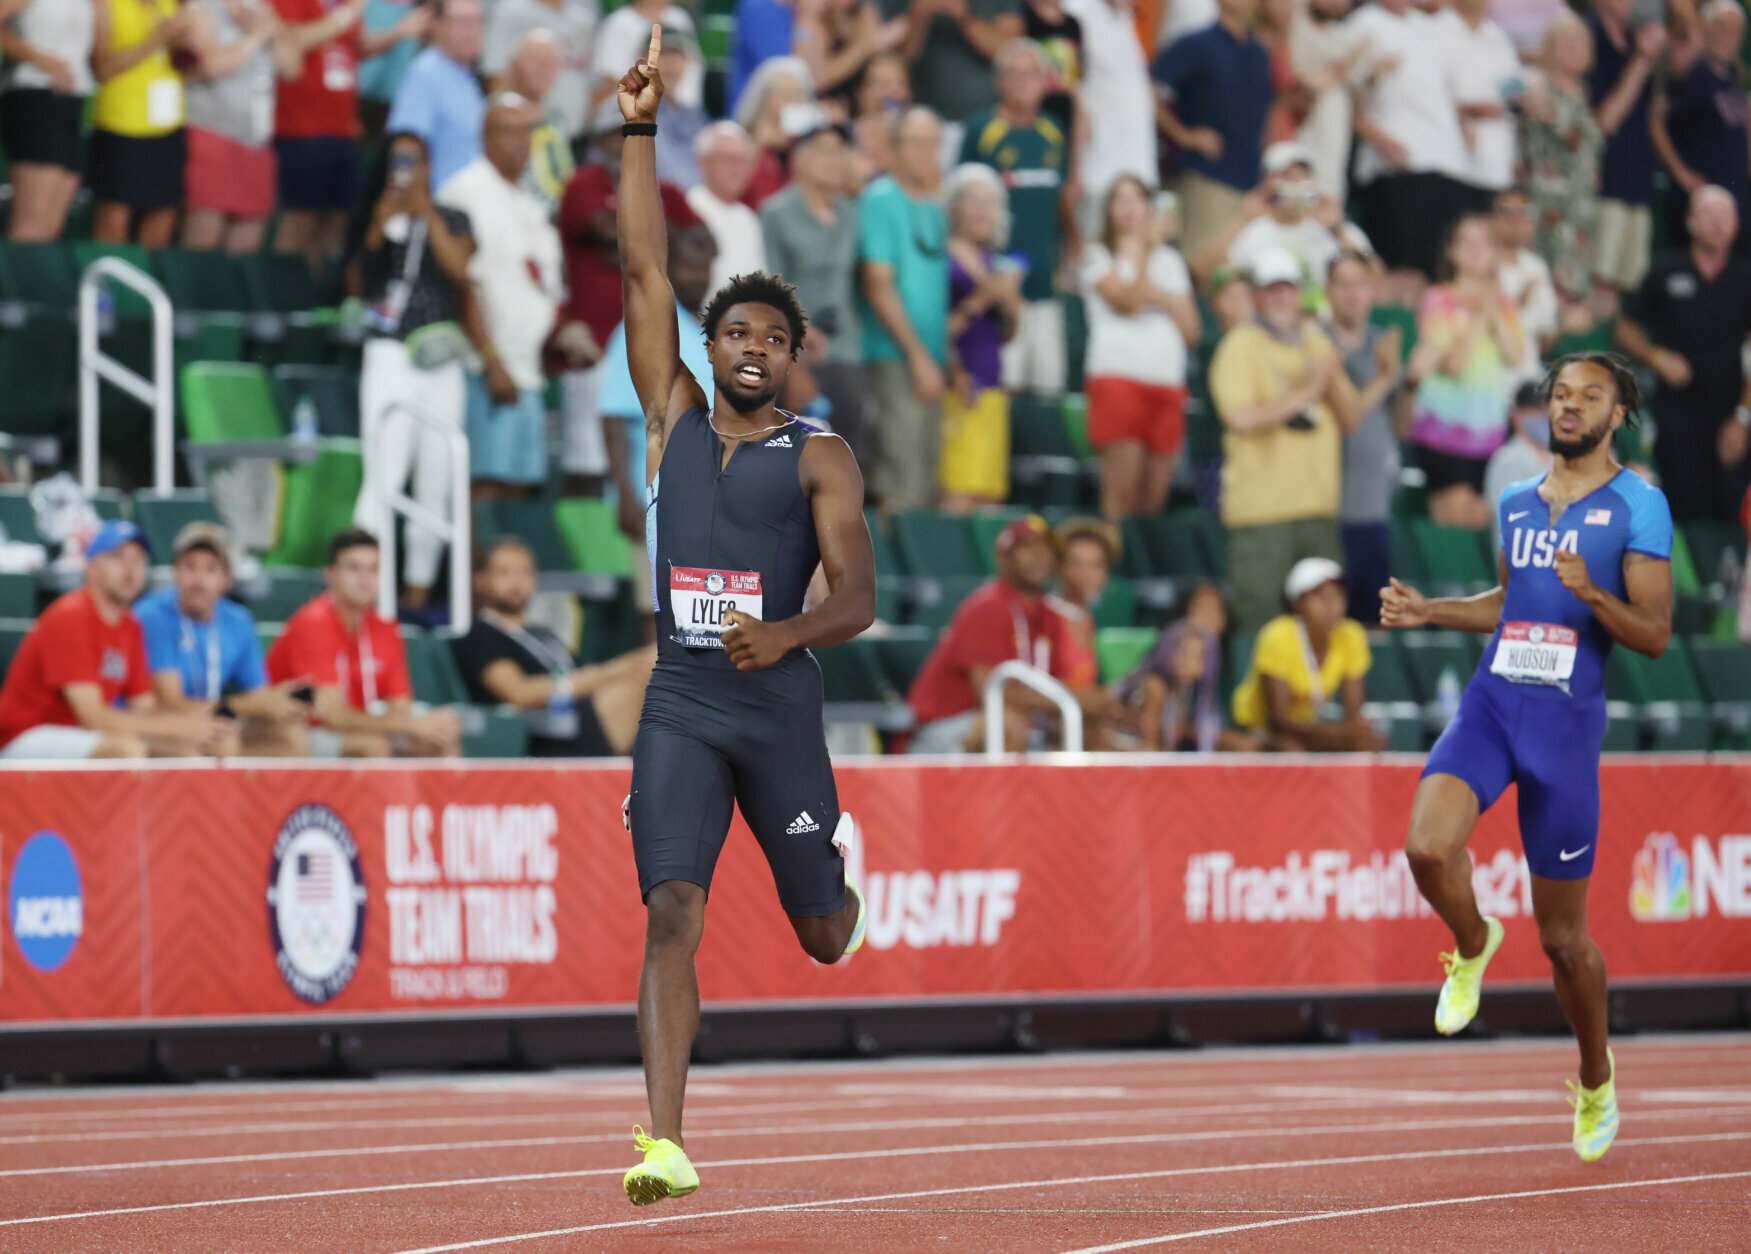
x=1455 y=1146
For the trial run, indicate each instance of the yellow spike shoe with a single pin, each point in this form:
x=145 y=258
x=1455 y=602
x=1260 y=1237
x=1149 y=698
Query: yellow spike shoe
x=665 y=1171
x=1595 y=1115
x=1464 y=987
x=857 y=933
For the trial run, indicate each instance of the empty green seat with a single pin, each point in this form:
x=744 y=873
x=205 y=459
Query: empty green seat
x=285 y=593
x=223 y=402
x=1685 y=580
x=17 y=596
x=494 y=733
x=1440 y=664
x=902 y=653
x=317 y=503
x=1117 y=606
x=1120 y=650
x=12 y=634
x=38 y=343
x=161 y=517
x=935 y=544
x=934 y=603
x=1709 y=541
x=1043 y=461
x=1452 y=555
x=39 y=274
x=333 y=390
x=203 y=282
x=592 y=535
x=1665 y=692
x=17 y=517
x=851 y=672
x=1172 y=546
x=432 y=669
x=279 y=282
x=1724 y=669
x=887 y=562
x=1389 y=677
x=532 y=522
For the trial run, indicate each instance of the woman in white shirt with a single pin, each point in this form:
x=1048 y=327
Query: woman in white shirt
x=47 y=47
x=1141 y=319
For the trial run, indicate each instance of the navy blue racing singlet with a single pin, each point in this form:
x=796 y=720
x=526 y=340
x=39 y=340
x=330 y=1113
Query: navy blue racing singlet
x=740 y=537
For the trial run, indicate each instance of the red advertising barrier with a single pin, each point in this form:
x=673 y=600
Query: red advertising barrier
x=247 y=891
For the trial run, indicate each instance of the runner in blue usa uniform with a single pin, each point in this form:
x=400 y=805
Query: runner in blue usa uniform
x=1585 y=564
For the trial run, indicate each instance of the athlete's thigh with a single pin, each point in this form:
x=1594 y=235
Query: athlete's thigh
x=1557 y=765
x=1474 y=752
x=683 y=795
x=785 y=788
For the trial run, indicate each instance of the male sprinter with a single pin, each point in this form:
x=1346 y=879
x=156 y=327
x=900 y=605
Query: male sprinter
x=1586 y=562
x=749 y=502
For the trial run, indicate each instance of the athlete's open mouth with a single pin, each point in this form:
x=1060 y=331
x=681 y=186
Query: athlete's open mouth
x=1567 y=423
x=750 y=373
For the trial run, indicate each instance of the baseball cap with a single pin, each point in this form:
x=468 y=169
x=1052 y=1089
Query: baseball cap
x=1275 y=265
x=115 y=533
x=1286 y=153
x=202 y=535
x=1026 y=528
x=1310 y=573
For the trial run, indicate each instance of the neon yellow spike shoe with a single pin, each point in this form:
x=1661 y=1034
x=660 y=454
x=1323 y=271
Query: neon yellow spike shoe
x=665 y=1171
x=1595 y=1115
x=1464 y=986
x=856 y=941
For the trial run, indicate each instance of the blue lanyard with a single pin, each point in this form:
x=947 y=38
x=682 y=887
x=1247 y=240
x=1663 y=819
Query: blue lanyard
x=189 y=631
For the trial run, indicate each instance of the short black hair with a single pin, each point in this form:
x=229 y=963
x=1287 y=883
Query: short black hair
x=758 y=288
x=1629 y=388
x=349 y=538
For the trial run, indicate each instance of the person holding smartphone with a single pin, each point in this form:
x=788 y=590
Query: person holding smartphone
x=410 y=266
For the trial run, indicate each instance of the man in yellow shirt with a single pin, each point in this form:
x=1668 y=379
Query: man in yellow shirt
x=1306 y=659
x=1280 y=389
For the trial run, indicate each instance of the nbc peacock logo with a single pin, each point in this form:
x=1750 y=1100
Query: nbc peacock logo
x=1659 y=883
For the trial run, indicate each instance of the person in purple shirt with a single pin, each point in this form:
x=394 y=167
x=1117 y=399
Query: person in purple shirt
x=984 y=288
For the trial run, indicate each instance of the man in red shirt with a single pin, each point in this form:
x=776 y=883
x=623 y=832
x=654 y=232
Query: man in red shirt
x=354 y=660
x=591 y=240
x=317 y=116
x=83 y=656
x=1009 y=618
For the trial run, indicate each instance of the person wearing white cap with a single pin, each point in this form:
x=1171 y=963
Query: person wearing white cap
x=1286 y=211
x=1305 y=661
x=1279 y=387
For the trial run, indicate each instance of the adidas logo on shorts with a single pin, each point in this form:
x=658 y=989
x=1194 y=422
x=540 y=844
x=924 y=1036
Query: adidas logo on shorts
x=805 y=822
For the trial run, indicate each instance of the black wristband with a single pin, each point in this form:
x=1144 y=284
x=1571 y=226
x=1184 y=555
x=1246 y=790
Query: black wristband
x=638 y=128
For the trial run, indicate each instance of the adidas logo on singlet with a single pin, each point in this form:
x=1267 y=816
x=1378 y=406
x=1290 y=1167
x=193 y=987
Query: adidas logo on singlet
x=805 y=822
x=779 y=441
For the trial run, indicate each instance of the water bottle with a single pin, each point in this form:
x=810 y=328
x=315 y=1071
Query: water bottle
x=562 y=711
x=304 y=421
x=1447 y=691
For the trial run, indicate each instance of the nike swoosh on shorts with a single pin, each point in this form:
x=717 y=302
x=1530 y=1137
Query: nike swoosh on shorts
x=1566 y=856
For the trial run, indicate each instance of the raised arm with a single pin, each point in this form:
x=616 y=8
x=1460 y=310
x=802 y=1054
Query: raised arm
x=665 y=387
x=834 y=486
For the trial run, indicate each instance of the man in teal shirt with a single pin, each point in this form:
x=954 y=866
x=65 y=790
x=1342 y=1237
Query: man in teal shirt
x=1032 y=155
x=902 y=237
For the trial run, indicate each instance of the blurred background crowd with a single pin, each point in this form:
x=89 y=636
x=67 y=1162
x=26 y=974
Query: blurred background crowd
x=1200 y=313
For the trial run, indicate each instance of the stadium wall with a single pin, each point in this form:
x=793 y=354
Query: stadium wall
x=256 y=915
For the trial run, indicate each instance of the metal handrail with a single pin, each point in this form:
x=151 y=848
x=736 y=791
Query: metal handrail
x=159 y=392
x=454 y=530
x=1042 y=683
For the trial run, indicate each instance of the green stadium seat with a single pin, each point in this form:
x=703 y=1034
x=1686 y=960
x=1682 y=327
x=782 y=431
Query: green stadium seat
x=1121 y=650
x=285 y=297
x=203 y=282
x=1709 y=542
x=128 y=303
x=286 y=592
x=1407 y=562
x=1117 y=606
x=1075 y=340
x=432 y=668
x=852 y=673
x=38 y=345
x=1453 y=556
x=1685 y=580
x=887 y=562
x=533 y=523
x=494 y=733
x=985 y=527
x=902 y=653
x=1074 y=407
x=17 y=517
x=935 y=544
x=1666 y=694
x=334 y=391
x=592 y=535
x=317 y=503
x=1043 y=464
x=1236 y=658
x=229 y=401
x=108 y=503
x=1393 y=702
x=266 y=634
x=1440 y=665
x=18 y=598
x=1171 y=546
x=161 y=517
x=935 y=602
x=1724 y=668
x=40 y=274
x=12 y=634
x=890 y=596
x=714 y=38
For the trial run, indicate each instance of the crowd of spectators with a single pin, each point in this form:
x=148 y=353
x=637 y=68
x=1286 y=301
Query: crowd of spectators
x=1327 y=230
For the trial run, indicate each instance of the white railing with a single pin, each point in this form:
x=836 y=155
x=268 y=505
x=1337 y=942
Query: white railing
x=159 y=392
x=1040 y=682
x=393 y=501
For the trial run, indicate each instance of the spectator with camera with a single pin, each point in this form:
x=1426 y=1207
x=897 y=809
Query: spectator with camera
x=356 y=665
x=1288 y=211
x=410 y=267
x=79 y=686
x=1279 y=386
x=203 y=654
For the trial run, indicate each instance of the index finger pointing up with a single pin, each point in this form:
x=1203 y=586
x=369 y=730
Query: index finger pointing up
x=656 y=49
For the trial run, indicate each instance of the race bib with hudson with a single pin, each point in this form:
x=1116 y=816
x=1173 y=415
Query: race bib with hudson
x=702 y=600
x=1536 y=653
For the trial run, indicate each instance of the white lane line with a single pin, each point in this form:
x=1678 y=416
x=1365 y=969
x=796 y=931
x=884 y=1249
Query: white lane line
x=1165 y=1136
x=795 y=1159
x=1382 y=1210
x=1289 y=1165
x=1419 y=1096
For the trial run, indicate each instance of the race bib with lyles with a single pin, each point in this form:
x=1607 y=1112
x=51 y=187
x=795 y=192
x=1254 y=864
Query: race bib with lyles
x=1536 y=653
x=703 y=599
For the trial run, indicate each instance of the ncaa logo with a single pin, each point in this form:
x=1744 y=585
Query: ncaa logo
x=46 y=902
x=316 y=903
x=714 y=583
